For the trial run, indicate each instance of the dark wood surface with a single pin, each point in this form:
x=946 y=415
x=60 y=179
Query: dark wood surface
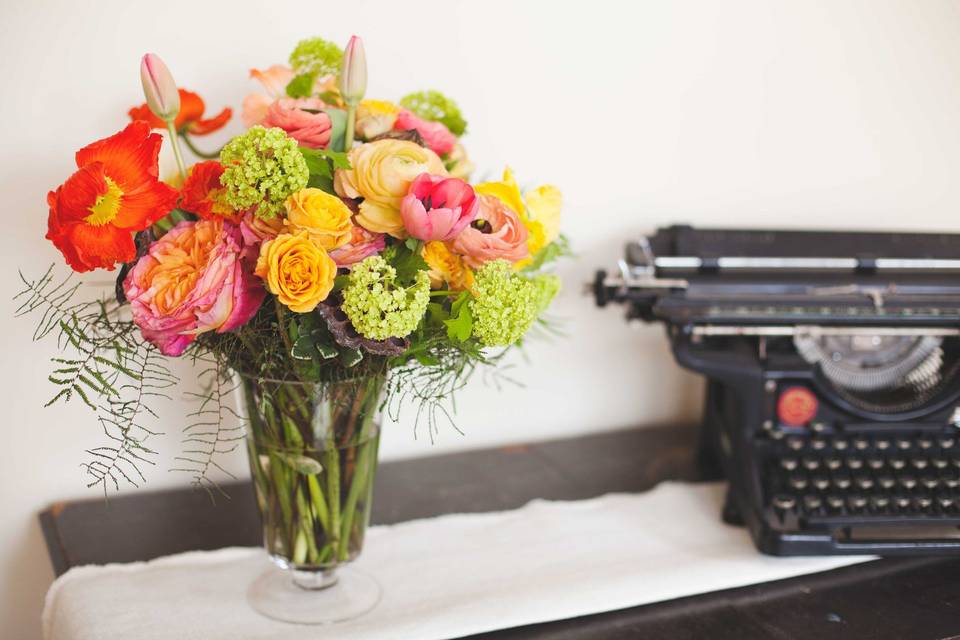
x=899 y=599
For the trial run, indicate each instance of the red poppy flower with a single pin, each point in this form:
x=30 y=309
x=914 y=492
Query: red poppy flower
x=189 y=118
x=203 y=194
x=114 y=193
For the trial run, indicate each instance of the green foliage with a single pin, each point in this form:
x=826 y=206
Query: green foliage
x=316 y=57
x=322 y=163
x=301 y=86
x=433 y=105
x=559 y=248
x=406 y=259
x=460 y=324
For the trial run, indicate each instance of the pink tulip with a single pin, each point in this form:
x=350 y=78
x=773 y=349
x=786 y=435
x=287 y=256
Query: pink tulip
x=353 y=75
x=299 y=118
x=437 y=207
x=435 y=134
x=159 y=87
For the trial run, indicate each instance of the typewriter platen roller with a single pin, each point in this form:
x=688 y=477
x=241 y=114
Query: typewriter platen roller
x=833 y=369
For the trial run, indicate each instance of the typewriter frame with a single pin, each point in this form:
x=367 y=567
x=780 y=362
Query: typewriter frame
x=908 y=291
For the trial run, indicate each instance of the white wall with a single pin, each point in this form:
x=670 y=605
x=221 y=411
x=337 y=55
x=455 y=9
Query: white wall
x=792 y=114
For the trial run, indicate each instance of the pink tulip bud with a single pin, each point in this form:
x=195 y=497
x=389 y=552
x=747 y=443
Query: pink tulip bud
x=353 y=75
x=159 y=88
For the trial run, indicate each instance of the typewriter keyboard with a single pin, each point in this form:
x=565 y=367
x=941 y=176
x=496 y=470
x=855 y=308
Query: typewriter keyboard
x=820 y=478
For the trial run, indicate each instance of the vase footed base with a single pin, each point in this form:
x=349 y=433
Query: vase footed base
x=348 y=595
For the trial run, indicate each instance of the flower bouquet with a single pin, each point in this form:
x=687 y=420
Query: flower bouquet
x=330 y=261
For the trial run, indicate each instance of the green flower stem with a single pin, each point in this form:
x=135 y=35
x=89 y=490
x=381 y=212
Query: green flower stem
x=332 y=464
x=197 y=152
x=319 y=502
x=351 y=122
x=360 y=477
x=175 y=142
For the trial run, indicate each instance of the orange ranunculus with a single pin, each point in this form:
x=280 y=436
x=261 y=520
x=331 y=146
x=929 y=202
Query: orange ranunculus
x=189 y=118
x=114 y=192
x=203 y=194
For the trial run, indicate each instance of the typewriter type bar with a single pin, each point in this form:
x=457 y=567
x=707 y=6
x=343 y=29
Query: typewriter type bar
x=833 y=377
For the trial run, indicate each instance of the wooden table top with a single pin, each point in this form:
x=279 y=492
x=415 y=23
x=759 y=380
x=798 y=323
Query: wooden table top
x=900 y=599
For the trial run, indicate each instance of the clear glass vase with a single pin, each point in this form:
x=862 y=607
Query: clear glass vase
x=313 y=456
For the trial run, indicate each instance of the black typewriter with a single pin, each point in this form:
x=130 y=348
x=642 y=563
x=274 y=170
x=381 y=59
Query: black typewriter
x=833 y=369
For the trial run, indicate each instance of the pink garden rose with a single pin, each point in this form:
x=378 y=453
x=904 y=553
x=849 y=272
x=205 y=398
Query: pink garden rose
x=192 y=280
x=435 y=134
x=437 y=207
x=496 y=233
x=363 y=244
x=302 y=120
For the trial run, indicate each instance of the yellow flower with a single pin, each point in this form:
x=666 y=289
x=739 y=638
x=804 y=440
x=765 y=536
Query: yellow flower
x=539 y=210
x=446 y=267
x=381 y=173
x=296 y=270
x=375 y=117
x=322 y=215
x=543 y=205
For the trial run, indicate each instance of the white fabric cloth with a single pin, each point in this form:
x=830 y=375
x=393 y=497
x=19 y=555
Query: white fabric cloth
x=446 y=577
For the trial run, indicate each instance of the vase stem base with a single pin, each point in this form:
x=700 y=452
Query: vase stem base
x=276 y=594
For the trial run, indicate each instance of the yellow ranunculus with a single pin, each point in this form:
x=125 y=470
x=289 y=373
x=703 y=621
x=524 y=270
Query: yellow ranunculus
x=297 y=270
x=539 y=210
x=375 y=117
x=446 y=267
x=322 y=215
x=543 y=205
x=381 y=173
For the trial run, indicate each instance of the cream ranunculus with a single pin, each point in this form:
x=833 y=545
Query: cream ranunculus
x=381 y=173
x=324 y=216
x=375 y=117
x=296 y=270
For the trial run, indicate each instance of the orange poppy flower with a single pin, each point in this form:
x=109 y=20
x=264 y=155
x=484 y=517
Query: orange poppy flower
x=203 y=194
x=190 y=117
x=114 y=193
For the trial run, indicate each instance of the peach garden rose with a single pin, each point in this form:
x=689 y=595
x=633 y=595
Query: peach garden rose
x=297 y=270
x=192 y=280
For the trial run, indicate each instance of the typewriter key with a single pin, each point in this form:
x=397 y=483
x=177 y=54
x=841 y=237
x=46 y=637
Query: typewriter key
x=875 y=463
x=811 y=464
x=798 y=482
x=945 y=502
x=882 y=444
x=856 y=502
x=898 y=463
x=886 y=482
x=955 y=462
x=834 y=463
x=880 y=502
x=929 y=482
x=812 y=503
x=854 y=463
x=820 y=482
x=784 y=502
x=795 y=443
x=840 y=444
x=951 y=482
x=901 y=502
x=835 y=502
x=864 y=482
x=789 y=464
x=908 y=482
x=939 y=463
x=841 y=481
x=904 y=444
x=922 y=502
x=919 y=463
x=924 y=443
x=818 y=444
x=861 y=443
x=947 y=443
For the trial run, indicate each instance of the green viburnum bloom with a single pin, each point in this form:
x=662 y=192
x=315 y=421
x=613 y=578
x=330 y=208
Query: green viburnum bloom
x=506 y=304
x=377 y=306
x=316 y=57
x=433 y=105
x=262 y=168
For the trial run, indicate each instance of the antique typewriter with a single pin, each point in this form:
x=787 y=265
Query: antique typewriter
x=833 y=377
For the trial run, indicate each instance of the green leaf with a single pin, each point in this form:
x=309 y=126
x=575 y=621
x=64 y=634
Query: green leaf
x=350 y=357
x=426 y=359
x=304 y=348
x=301 y=86
x=323 y=183
x=301 y=464
x=327 y=351
x=338 y=118
x=460 y=324
x=406 y=262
